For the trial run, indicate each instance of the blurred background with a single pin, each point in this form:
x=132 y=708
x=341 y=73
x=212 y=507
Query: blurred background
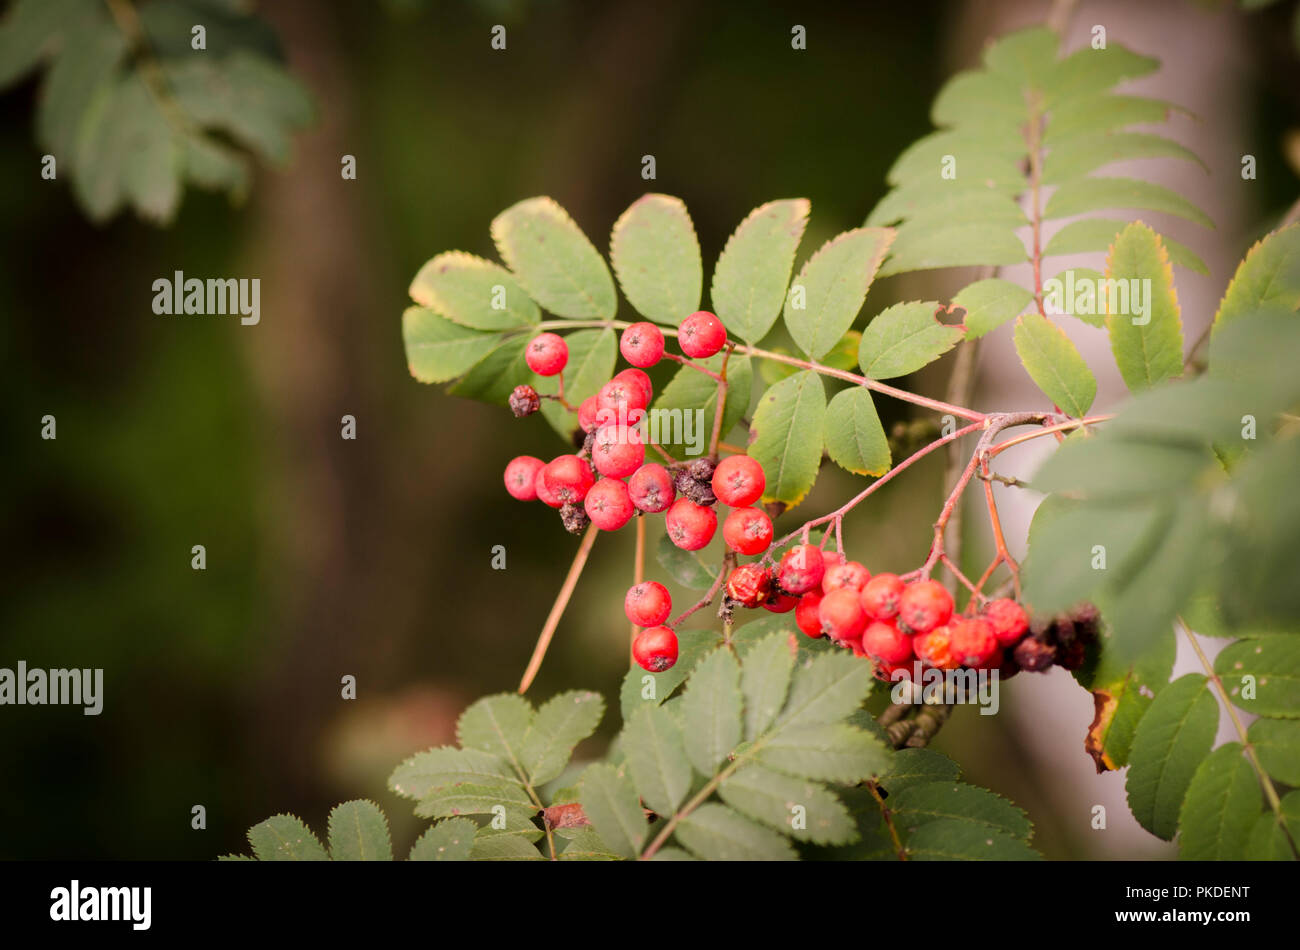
x=371 y=558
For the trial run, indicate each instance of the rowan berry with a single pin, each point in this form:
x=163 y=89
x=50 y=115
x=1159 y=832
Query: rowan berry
x=747 y=531
x=1008 y=619
x=608 y=504
x=647 y=604
x=617 y=451
x=568 y=478
x=655 y=649
x=544 y=493
x=701 y=335
x=801 y=569
x=587 y=411
x=642 y=344
x=739 y=481
x=690 y=526
x=1033 y=655
x=935 y=648
x=880 y=596
x=620 y=398
x=574 y=518
x=924 y=606
x=546 y=354
x=841 y=615
x=700 y=492
x=885 y=642
x=524 y=401
x=749 y=585
x=972 y=641
x=641 y=379
x=780 y=602
x=848 y=576
x=651 y=488
x=807 y=614
x=521 y=477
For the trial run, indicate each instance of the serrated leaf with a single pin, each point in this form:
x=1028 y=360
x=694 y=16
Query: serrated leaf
x=827 y=752
x=610 y=801
x=503 y=848
x=592 y=355
x=656 y=256
x=1277 y=743
x=554 y=261
x=753 y=270
x=1262 y=675
x=1219 y=811
x=686 y=407
x=685 y=566
x=1268 y=841
x=711 y=709
x=358 y=831
x=449 y=840
x=1088 y=115
x=903 y=338
x=855 y=439
x=915 y=805
x=1171 y=740
x=1098 y=234
x=921 y=245
x=1088 y=153
x=1148 y=346
x=1267 y=279
x=831 y=287
x=493 y=377
x=1088 y=71
x=764 y=679
x=980 y=153
x=1027 y=57
x=925 y=206
x=797 y=807
x=1073 y=292
x=560 y=724
x=446 y=765
x=787 y=436
x=828 y=689
x=1055 y=364
x=1098 y=194
x=587 y=846
x=991 y=303
x=476 y=798
x=473 y=292
x=918 y=767
x=656 y=759
x=75 y=78
x=996 y=99
x=437 y=349
x=952 y=839
x=497 y=724
x=285 y=838
x=716 y=833
x=30 y=31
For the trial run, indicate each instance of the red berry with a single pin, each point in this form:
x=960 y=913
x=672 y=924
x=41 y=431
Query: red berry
x=881 y=594
x=642 y=344
x=841 y=615
x=690 y=526
x=749 y=585
x=935 y=649
x=652 y=488
x=608 y=504
x=747 y=531
x=546 y=354
x=568 y=478
x=655 y=649
x=739 y=481
x=849 y=576
x=886 y=643
x=617 y=451
x=924 y=606
x=544 y=494
x=801 y=569
x=1008 y=619
x=831 y=558
x=701 y=335
x=807 y=614
x=647 y=604
x=972 y=641
x=587 y=410
x=641 y=379
x=780 y=603
x=621 y=397
x=521 y=477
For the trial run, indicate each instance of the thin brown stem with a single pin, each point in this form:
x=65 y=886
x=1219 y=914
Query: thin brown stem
x=638 y=569
x=557 y=609
x=888 y=815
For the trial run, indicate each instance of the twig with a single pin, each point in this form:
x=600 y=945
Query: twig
x=885 y=813
x=557 y=610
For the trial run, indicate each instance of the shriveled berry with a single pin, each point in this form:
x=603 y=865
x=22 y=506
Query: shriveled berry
x=546 y=354
x=568 y=478
x=641 y=379
x=801 y=569
x=544 y=493
x=617 y=451
x=642 y=344
x=655 y=649
x=690 y=526
x=749 y=585
x=885 y=642
x=647 y=604
x=935 y=648
x=608 y=504
x=690 y=487
x=848 y=576
x=524 y=400
x=881 y=594
x=1008 y=619
x=1071 y=657
x=574 y=518
x=521 y=477
x=739 y=481
x=587 y=410
x=701 y=335
x=807 y=614
x=972 y=641
x=700 y=469
x=841 y=615
x=780 y=602
x=1033 y=655
x=747 y=531
x=924 y=606
x=651 y=488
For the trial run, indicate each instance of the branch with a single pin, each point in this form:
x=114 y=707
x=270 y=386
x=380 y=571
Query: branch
x=557 y=610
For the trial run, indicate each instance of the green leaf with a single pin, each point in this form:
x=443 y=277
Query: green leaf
x=855 y=439
x=750 y=278
x=656 y=758
x=685 y=409
x=827 y=689
x=1099 y=194
x=716 y=833
x=996 y=99
x=787 y=436
x=503 y=848
x=797 y=807
x=1267 y=279
x=587 y=846
x=437 y=349
x=1267 y=841
x=1087 y=72
x=1088 y=115
x=561 y=723
x=610 y=802
x=831 y=287
x=765 y=677
x=92 y=49
x=29 y=32
x=656 y=256
x=592 y=354
x=358 y=831
x=903 y=338
x=497 y=724
x=1277 y=743
x=1172 y=739
x=285 y=838
x=979 y=154
x=923 y=246
x=1262 y=675
x=474 y=798
x=927 y=206
x=1027 y=57
x=554 y=261
x=493 y=378
x=1148 y=346
x=826 y=752
x=711 y=710
x=446 y=765
x=1221 y=806
x=953 y=839
x=1088 y=153
x=991 y=303
x=449 y=840
x=1098 y=234
x=915 y=805
x=1055 y=364
x=916 y=767
x=685 y=567
x=1074 y=292
x=473 y=292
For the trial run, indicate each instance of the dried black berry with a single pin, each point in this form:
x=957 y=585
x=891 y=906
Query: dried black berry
x=524 y=401
x=575 y=518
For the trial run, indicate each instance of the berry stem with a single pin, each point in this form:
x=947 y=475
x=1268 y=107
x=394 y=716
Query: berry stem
x=721 y=403
x=1048 y=430
x=999 y=540
x=728 y=562
x=557 y=609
